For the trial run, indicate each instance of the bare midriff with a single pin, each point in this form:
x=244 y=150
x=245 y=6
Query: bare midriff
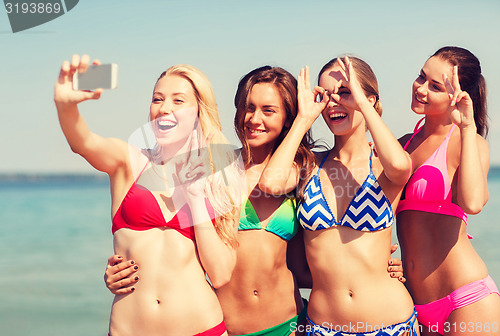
x=172 y=295
x=438 y=256
x=351 y=285
x=262 y=292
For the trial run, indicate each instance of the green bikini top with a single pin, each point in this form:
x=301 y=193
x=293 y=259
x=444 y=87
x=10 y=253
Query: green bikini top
x=283 y=222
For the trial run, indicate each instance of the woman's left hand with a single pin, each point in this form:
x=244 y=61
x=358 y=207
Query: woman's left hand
x=349 y=94
x=460 y=109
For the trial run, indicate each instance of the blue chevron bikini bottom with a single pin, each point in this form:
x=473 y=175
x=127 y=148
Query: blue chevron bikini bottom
x=313 y=329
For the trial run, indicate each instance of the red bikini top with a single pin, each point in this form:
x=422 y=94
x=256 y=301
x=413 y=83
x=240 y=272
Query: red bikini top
x=140 y=211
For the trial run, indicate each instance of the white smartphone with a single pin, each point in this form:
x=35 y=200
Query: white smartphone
x=104 y=76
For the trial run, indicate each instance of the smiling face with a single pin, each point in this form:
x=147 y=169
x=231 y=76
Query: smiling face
x=430 y=96
x=265 y=116
x=173 y=111
x=339 y=119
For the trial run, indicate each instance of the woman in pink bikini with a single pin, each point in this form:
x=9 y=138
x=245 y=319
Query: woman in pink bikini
x=178 y=233
x=447 y=279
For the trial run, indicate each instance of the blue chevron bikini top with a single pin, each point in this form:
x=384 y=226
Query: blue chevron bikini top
x=369 y=210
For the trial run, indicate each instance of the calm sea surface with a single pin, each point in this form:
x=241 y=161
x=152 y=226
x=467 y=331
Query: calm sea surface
x=55 y=240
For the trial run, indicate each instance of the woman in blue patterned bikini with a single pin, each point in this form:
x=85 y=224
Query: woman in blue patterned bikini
x=347 y=208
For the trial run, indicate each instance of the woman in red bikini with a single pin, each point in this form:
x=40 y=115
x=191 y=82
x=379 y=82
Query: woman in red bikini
x=446 y=277
x=172 y=211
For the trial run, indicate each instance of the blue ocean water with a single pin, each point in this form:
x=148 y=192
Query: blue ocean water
x=56 y=238
x=54 y=244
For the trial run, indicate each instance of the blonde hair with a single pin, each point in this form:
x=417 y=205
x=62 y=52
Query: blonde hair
x=221 y=187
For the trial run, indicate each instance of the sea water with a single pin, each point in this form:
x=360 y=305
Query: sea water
x=55 y=239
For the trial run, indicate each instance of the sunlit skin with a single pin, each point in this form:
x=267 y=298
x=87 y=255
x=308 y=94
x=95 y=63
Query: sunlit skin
x=163 y=253
x=348 y=120
x=265 y=117
x=174 y=107
x=348 y=267
x=261 y=282
x=429 y=93
x=262 y=292
x=438 y=256
x=173 y=287
x=351 y=297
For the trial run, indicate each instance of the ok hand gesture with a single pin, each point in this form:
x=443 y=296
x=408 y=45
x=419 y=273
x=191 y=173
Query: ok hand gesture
x=309 y=108
x=349 y=92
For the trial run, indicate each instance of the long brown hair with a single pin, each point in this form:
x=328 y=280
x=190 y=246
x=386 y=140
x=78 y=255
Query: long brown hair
x=471 y=80
x=287 y=87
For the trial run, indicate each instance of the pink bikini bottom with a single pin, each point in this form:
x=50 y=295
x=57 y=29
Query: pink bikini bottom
x=436 y=313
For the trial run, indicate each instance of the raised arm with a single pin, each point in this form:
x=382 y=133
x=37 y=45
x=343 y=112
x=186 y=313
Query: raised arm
x=281 y=175
x=395 y=160
x=474 y=156
x=104 y=154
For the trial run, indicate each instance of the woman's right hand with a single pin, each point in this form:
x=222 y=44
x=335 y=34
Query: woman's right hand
x=309 y=107
x=120 y=275
x=193 y=167
x=64 y=94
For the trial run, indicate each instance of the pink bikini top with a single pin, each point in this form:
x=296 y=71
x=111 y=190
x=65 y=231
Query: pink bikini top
x=140 y=211
x=429 y=188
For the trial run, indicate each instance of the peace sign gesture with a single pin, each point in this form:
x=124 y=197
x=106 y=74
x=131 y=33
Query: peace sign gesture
x=309 y=108
x=193 y=167
x=461 y=108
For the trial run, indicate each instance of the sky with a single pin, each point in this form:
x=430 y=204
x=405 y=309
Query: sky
x=225 y=39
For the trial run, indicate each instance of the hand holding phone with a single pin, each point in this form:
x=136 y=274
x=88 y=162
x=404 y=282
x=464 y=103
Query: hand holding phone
x=104 y=76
